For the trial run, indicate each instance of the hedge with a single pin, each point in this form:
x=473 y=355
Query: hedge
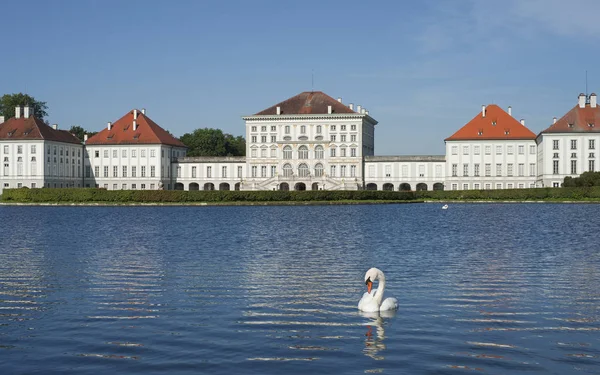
x=92 y=195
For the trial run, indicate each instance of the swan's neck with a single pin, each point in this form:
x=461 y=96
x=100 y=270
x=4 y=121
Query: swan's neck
x=380 y=288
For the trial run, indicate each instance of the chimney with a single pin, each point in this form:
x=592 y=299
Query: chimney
x=1 y=119
x=278 y=110
x=18 y=111
x=329 y=109
x=340 y=100
x=523 y=122
x=55 y=126
x=582 y=100
x=593 y=101
x=85 y=138
x=366 y=112
x=482 y=111
x=509 y=110
x=109 y=125
x=358 y=109
x=351 y=106
x=144 y=111
x=135 y=113
x=27 y=111
x=362 y=111
x=554 y=120
x=134 y=125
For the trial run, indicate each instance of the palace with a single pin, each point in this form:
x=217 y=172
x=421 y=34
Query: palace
x=308 y=142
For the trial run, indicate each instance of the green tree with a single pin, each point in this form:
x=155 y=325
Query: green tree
x=8 y=102
x=585 y=179
x=79 y=132
x=212 y=142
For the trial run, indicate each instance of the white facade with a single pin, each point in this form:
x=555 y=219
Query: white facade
x=404 y=173
x=491 y=164
x=210 y=173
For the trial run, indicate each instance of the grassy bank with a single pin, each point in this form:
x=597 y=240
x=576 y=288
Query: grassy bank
x=281 y=197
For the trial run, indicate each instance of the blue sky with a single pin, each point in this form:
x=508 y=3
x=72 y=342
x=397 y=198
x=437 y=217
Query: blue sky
x=422 y=68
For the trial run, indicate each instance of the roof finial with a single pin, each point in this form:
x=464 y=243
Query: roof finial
x=312 y=82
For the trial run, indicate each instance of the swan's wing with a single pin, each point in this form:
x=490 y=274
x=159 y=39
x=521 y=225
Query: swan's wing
x=389 y=304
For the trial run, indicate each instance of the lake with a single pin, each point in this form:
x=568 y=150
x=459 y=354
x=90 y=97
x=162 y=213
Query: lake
x=482 y=288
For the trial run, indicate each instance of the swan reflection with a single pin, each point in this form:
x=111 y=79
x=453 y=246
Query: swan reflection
x=374 y=341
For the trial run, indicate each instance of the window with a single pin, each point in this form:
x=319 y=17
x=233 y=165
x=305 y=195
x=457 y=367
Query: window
x=476 y=186
x=96 y=171
x=333 y=138
x=476 y=150
x=332 y=127
x=421 y=171
x=353 y=138
x=273 y=170
x=318 y=152
x=19 y=166
x=532 y=150
x=143 y=171
x=454 y=150
x=498 y=186
x=194 y=172
x=287 y=170
x=388 y=171
x=143 y=186
x=287 y=152
x=302 y=152
x=332 y=171
x=273 y=139
x=124 y=153
x=465 y=150
x=106 y=171
x=498 y=169
x=152 y=186
x=143 y=153
x=371 y=171
x=438 y=171
x=343 y=152
x=133 y=155
x=342 y=169
x=115 y=171
x=465 y=170
x=573 y=144
x=332 y=152
x=488 y=150
x=88 y=171
x=33 y=149
x=521 y=149
x=454 y=170
x=224 y=171
x=555 y=144
x=152 y=153
x=498 y=150
x=263 y=139
x=531 y=169
x=253 y=139
x=573 y=166
x=96 y=153
x=591 y=155
x=353 y=171
x=509 y=169
x=465 y=186
x=287 y=129
x=343 y=138
x=239 y=173
x=209 y=172
x=454 y=186
x=273 y=128
x=555 y=167
x=253 y=128
x=273 y=152
x=574 y=155
x=263 y=128
x=133 y=186
x=352 y=127
x=405 y=170
x=303 y=170
x=263 y=153
x=152 y=171
x=591 y=165
x=115 y=153
x=124 y=171
x=591 y=144
x=509 y=150
x=263 y=171
x=353 y=152
x=476 y=170
x=133 y=170
x=302 y=129
x=319 y=129
x=254 y=170
x=253 y=152
x=521 y=169
x=6 y=150
x=124 y=187
x=105 y=153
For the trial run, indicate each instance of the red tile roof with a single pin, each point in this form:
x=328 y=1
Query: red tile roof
x=32 y=128
x=307 y=103
x=577 y=120
x=496 y=125
x=121 y=133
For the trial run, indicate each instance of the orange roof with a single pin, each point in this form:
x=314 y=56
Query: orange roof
x=496 y=125
x=32 y=128
x=577 y=120
x=307 y=103
x=122 y=133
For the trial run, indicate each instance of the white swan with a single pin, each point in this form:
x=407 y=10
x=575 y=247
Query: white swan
x=371 y=300
x=445 y=207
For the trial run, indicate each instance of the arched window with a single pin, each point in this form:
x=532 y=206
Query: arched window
x=318 y=152
x=302 y=152
x=319 y=129
x=287 y=152
x=319 y=170
x=303 y=129
x=287 y=129
x=303 y=170
x=287 y=170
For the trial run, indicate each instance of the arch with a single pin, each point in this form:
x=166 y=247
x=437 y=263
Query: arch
x=237 y=186
x=284 y=186
x=303 y=170
x=318 y=170
x=318 y=152
x=315 y=186
x=300 y=186
x=404 y=187
x=224 y=186
x=438 y=186
x=194 y=186
x=287 y=152
x=422 y=186
x=179 y=186
x=371 y=186
x=388 y=187
x=287 y=170
x=209 y=186
x=302 y=152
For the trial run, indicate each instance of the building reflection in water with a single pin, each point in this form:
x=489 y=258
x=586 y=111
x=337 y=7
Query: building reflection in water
x=375 y=335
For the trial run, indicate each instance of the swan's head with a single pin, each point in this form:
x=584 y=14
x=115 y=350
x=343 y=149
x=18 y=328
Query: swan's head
x=371 y=275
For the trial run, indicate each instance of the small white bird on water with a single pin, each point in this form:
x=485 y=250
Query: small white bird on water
x=371 y=301
x=445 y=207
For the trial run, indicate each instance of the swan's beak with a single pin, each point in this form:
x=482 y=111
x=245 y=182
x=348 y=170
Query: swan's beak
x=369 y=285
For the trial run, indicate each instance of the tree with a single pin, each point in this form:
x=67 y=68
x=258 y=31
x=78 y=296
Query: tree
x=585 y=179
x=79 y=132
x=212 y=142
x=8 y=102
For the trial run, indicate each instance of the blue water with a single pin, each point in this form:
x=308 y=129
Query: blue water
x=495 y=289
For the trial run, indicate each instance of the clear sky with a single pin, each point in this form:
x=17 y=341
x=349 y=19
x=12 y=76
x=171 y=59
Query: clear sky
x=422 y=68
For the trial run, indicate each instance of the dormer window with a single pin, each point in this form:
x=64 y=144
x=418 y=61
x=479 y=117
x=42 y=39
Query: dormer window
x=506 y=131
x=110 y=136
x=591 y=125
x=480 y=132
x=570 y=124
x=493 y=123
